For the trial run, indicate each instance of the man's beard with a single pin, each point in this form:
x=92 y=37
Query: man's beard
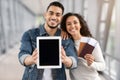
x=53 y=27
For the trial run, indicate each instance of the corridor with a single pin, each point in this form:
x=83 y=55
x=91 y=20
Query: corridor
x=17 y=16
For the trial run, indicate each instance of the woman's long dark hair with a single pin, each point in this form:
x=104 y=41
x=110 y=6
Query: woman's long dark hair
x=84 y=31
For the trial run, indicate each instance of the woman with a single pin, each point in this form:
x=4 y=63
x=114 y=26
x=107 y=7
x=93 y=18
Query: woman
x=90 y=60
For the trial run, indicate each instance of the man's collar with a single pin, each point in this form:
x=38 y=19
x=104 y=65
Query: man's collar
x=43 y=31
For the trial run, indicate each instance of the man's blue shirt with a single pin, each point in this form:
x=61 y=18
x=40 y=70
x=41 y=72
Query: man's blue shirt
x=28 y=44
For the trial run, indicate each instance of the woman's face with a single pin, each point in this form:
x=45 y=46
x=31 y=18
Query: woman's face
x=73 y=25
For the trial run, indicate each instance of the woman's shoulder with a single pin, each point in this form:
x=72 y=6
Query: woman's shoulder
x=84 y=38
x=89 y=40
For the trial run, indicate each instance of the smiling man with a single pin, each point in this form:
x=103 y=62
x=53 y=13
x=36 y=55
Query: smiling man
x=28 y=52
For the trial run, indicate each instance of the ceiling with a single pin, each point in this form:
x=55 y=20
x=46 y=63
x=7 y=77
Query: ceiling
x=37 y=6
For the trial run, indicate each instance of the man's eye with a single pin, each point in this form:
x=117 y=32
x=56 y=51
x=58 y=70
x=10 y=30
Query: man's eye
x=58 y=15
x=50 y=13
x=68 y=24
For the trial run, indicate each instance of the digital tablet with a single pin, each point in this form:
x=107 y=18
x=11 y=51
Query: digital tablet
x=49 y=52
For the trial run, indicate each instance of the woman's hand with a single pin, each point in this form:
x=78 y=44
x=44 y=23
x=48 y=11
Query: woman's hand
x=90 y=59
x=64 y=35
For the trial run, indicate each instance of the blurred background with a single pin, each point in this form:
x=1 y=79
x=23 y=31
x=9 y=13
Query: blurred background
x=17 y=16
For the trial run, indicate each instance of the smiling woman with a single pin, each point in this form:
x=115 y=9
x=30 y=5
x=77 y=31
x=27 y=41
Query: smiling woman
x=90 y=58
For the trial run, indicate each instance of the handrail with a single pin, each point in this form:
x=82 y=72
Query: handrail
x=117 y=59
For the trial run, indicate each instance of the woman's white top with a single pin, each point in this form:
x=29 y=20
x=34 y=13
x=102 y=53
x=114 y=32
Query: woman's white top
x=83 y=71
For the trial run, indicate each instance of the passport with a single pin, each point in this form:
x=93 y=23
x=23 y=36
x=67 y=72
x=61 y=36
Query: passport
x=87 y=49
x=87 y=46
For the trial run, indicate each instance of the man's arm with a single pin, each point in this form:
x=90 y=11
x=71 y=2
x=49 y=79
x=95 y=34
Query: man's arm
x=71 y=53
x=67 y=61
x=25 y=50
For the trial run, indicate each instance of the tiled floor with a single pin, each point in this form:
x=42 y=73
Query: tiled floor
x=10 y=68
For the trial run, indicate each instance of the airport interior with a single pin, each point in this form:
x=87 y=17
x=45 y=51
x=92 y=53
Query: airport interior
x=17 y=16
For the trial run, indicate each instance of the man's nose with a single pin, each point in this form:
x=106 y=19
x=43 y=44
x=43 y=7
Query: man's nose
x=53 y=17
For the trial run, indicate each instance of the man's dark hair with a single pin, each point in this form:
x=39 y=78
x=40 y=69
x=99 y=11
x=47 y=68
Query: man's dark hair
x=57 y=4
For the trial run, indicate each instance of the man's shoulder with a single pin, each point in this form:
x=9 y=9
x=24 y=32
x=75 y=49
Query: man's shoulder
x=33 y=31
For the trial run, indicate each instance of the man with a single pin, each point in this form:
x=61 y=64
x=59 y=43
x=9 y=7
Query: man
x=28 y=53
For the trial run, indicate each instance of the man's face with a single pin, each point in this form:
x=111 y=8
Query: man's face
x=53 y=16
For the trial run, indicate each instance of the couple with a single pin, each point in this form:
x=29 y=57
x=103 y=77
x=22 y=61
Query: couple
x=75 y=26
